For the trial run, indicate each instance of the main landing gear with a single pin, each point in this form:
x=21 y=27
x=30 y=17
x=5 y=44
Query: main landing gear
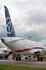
x=38 y=55
x=18 y=57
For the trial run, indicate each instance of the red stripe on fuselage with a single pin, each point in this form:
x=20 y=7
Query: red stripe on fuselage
x=28 y=49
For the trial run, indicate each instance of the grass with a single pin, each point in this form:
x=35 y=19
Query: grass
x=13 y=67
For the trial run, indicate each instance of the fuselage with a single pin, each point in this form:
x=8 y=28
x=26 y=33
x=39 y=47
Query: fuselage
x=22 y=46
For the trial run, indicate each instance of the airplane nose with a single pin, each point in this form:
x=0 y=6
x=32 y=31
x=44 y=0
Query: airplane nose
x=2 y=40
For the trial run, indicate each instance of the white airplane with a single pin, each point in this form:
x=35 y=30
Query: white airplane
x=1 y=52
x=19 y=45
x=5 y=50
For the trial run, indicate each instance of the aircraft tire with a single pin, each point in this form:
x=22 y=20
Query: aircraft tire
x=41 y=59
x=17 y=59
x=38 y=58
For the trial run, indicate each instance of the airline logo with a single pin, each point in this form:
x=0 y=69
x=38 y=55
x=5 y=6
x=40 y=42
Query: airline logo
x=9 y=25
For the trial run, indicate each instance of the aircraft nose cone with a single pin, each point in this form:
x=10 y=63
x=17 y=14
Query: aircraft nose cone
x=2 y=40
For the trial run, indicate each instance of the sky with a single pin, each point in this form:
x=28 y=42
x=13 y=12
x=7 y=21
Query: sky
x=28 y=18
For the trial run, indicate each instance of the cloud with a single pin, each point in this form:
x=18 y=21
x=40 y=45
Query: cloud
x=28 y=17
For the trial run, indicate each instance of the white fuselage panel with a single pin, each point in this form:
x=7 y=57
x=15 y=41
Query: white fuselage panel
x=23 y=46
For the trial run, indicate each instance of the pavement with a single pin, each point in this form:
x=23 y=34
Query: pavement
x=41 y=64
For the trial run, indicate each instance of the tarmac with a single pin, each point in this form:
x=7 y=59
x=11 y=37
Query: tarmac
x=41 y=64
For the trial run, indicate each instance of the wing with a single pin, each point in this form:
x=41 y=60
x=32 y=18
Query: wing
x=20 y=39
